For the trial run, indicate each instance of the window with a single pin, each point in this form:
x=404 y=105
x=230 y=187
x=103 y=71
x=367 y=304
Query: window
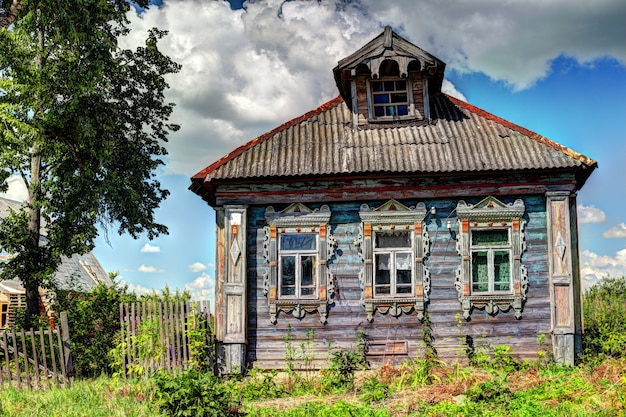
x=491 y=261
x=393 y=245
x=298 y=258
x=393 y=268
x=491 y=242
x=298 y=246
x=4 y=315
x=390 y=97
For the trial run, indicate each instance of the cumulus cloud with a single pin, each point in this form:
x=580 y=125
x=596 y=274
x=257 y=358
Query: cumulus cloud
x=17 y=189
x=197 y=267
x=202 y=288
x=590 y=214
x=618 y=231
x=594 y=267
x=148 y=248
x=149 y=269
x=258 y=67
x=140 y=289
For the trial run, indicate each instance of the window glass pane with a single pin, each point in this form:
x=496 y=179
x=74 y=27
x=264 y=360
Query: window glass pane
x=379 y=111
x=400 y=239
x=398 y=98
x=389 y=85
x=381 y=98
x=390 y=111
x=403 y=110
x=480 y=271
x=377 y=86
x=382 y=290
x=502 y=270
x=403 y=289
x=400 y=85
x=382 y=268
x=403 y=262
x=288 y=275
x=298 y=242
x=307 y=270
x=490 y=237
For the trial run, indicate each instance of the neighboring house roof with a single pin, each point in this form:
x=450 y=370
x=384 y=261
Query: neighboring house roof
x=81 y=273
x=459 y=138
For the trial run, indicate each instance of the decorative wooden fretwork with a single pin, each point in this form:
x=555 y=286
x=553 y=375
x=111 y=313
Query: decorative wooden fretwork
x=491 y=242
x=299 y=225
x=393 y=244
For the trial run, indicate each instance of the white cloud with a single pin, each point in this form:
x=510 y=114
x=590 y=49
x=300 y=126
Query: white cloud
x=202 y=288
x=618 y=231
x=140 y=289
x=148 y=248
x=259 y=67
x=149 y=269
x=17 y=189
x=590 y=214
x=594 y=267
x=197 y=267
x=449 y=88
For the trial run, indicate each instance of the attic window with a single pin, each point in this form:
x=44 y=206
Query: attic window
x=390 y=98
x=389 y=95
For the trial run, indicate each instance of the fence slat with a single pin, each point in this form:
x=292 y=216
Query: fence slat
x=169 y=322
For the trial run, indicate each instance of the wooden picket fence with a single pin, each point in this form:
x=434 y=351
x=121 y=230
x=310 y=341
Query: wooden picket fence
x=157 y=336
x=36 y=358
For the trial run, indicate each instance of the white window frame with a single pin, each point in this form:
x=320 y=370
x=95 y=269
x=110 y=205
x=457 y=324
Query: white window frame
x=393 y=276
x=298 y=254
x=490 y=249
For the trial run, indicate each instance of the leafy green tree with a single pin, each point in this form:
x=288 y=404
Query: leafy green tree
x=84 y=123
x=604 y=308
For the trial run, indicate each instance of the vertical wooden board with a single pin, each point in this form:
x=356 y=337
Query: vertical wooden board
x=562 y=305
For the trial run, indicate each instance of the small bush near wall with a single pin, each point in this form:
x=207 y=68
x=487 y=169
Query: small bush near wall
x=604 y=307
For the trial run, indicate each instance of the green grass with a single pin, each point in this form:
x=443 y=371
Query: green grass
x=552 y=391
x=100 y=397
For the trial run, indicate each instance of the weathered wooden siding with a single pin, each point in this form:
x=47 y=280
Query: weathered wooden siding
x=266 y=345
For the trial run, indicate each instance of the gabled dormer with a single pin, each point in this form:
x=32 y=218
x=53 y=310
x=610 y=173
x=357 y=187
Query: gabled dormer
x=389 y=80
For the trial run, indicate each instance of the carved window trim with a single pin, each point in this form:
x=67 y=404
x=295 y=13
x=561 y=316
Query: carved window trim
x=490 y=214
x=394 y=216
x=299 y=219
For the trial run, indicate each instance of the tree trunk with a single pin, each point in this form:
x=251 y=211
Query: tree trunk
x=9 y=16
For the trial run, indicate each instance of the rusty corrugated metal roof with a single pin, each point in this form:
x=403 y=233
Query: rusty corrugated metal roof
x=459 y=138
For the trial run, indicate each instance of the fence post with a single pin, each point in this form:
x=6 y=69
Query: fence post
x=67 y=353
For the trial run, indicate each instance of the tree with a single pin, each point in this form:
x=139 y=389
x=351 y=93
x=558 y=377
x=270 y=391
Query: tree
x=84 y=123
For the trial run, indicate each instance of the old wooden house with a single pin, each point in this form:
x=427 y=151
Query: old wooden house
x=393 y=207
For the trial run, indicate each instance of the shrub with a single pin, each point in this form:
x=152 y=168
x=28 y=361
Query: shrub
x=193 y=393
x=343 y=365
x=604 y=309
x=94 y=319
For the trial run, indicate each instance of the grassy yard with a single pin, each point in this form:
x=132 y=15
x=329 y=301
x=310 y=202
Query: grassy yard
x=390 y=391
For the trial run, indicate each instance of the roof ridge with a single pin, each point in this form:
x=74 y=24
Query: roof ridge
x=259 y=139
x=526 y=132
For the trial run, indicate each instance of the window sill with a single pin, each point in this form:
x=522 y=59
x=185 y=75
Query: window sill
x=394 y=306
x=492 y=304
x=299 y=308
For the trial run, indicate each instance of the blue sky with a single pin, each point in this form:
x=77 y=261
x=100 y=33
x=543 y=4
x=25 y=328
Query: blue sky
x=555 y=67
